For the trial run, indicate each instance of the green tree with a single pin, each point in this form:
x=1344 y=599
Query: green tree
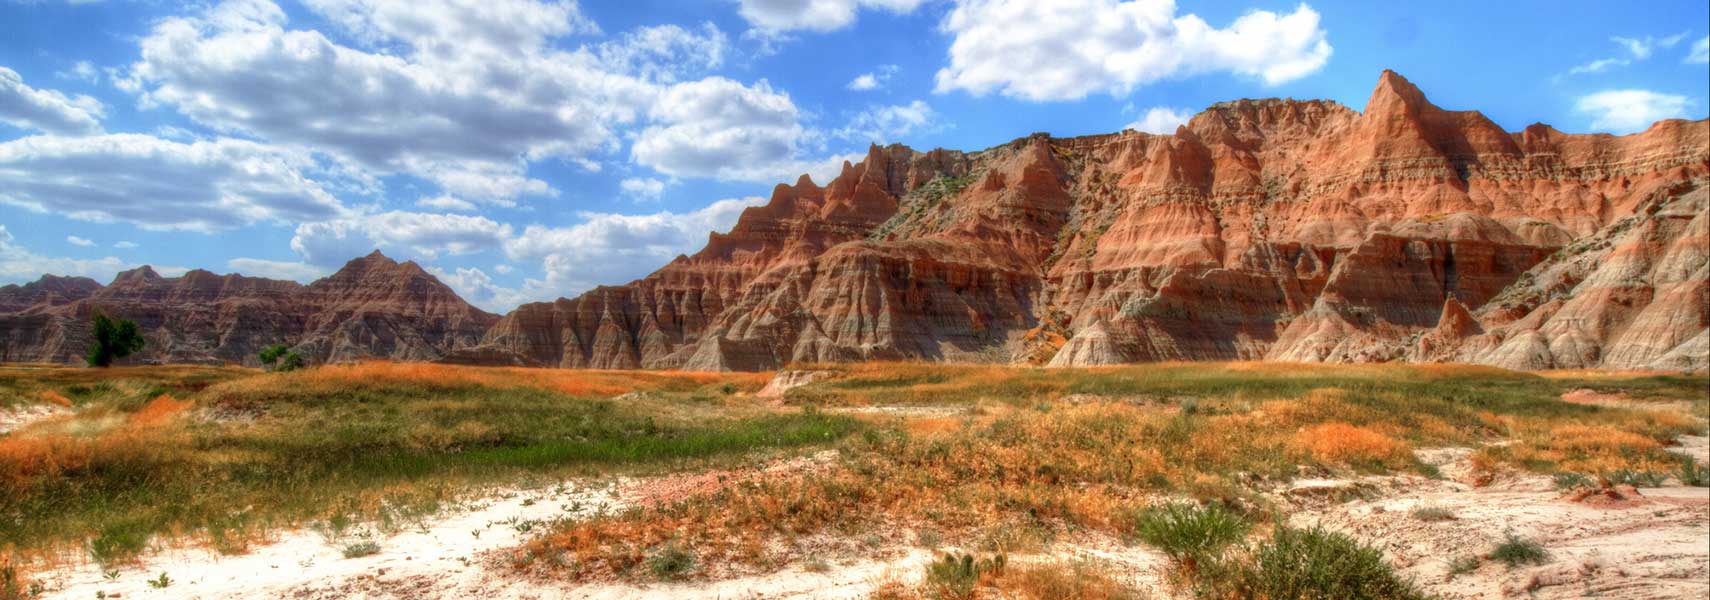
x=290 y=362
x=279 y=357
x=113 y=340
x=271 y=354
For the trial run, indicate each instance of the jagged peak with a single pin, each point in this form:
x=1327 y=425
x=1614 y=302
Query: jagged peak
x=1395 y=95
x=140 y=274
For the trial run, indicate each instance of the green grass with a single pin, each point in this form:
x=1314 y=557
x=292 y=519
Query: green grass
x=1691 y=473
x=671 y=562
x=953 y=577
x=391 y=452
x=1516 y=551
x=1307 y=564
x=1189 y=533
x=361 y=549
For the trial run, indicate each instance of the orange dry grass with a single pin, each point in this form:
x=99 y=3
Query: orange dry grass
x=53 y=397
x=1062 y=581
x=158 y=411
x=565 y=381
x=1078 y=465
x=1349 y=444
x=28 y=457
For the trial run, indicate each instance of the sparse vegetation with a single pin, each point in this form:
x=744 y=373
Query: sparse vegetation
x=361 y=549
x=161 y=582
x=670 y=562
x=999 y=461
x=1461 y=565
x=1306 y=564
x=1190 y=534
x=1433 y=513
x=1515 y=551
x=241 y=454
x=1042 y=452
x=1689 y=472
x=953 y=576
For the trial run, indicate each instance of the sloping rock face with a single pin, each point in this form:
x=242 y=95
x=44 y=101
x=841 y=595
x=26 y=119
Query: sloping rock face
x=373 y=307
x=1260 y=230
x=49 y=291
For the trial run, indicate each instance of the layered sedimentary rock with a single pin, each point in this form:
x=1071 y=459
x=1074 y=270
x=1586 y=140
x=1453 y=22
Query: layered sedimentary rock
x=373 y=307
x=1260 y=230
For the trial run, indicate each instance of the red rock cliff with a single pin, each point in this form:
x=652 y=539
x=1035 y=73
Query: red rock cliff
x=1261 y=230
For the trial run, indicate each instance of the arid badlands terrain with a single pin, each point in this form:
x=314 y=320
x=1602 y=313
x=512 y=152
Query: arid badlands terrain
x=1279 y=230
x=1293 y=350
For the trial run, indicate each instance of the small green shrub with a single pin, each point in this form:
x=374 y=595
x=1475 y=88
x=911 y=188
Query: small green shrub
x=118 y=542
x=1433 y=513
x=953 y=577
x=1189 y=533
x=1566 y=481
x=161 y=582
x=1308 y=564
x=1636 y=478
x=1461 y=565
x=1691 y=473
x=671 y=562
x=1515 y=551
x=361 y=549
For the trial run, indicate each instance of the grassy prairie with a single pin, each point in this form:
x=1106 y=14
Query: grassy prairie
x=991 y=460
x=227 y=454
x=1037 y=454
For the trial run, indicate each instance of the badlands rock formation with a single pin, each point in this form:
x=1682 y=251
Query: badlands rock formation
x=373 y=307
x=1261 y=230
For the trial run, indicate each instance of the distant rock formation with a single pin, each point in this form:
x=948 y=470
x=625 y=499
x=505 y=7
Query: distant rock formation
x=373 y=307
x=1261 y=230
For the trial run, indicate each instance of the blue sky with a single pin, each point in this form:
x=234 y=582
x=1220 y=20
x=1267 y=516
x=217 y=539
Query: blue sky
x=526 y=149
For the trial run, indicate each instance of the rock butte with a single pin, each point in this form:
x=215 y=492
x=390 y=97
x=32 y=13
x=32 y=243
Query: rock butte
x=1261 y=230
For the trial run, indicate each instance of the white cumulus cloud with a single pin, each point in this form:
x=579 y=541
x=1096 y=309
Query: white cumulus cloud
x=1700 y=53
x=161 y=184
x=77 y=241
x=1044 y=50
x=1627 y=111
x=425 y=235
x=49 y=111
x=642 y=189
x=814 y=15
x=1161 y=120
x=20 y=265
x=886 y=124
x=608 y=248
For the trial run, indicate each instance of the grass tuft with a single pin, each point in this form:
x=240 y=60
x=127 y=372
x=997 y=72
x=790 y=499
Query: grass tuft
x=671 y=562
x=954 y=577
x=1433 y=513
x=1189 y=534
x=1308 y=563
x=361 y=549
x=1515 y=551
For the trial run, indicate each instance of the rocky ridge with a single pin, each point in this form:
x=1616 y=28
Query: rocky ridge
x=373 y=307
x=1260 y=230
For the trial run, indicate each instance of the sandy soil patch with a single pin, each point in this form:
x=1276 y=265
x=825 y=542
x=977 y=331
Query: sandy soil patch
x=1652 y=545
x=19 y=417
